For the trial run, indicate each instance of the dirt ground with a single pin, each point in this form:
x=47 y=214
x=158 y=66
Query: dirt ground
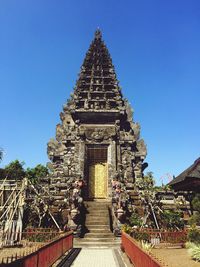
x=175 y=257
x=26 y=249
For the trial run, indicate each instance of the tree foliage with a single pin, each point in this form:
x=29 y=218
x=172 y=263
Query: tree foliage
x=34 y=174
x=196 y=203
x=135 y=220
x=15 y=170
x=195 y=219
x=194 y=235
x=148 y=181
x=172 y=219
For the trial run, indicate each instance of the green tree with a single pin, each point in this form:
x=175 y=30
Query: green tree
x=194 y=235
x=148 y=181
x=196 y=202
x=172 y=219
x=195 y=219
x=1 y=154
x=135 y=220
x=15 y=170
x=34 y=174
x=2 y=172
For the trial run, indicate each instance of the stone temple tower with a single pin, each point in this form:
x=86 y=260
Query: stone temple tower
x=97 y=140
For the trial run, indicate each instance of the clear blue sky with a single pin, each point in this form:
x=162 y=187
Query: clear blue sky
x=155 y=47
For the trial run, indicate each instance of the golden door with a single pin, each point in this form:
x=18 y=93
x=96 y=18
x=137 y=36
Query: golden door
x=98 y=180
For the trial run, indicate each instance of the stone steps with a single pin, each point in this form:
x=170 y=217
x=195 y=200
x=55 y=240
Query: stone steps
x=97 y=213
x=91 y=223
x=98 y=210
x=86 y=242
x=99 y=235
x=97 y=220
x=98 y=225
x=101 y=230
x=97 y=205
x=97 y=240
x=97 y=244
x=98 y=216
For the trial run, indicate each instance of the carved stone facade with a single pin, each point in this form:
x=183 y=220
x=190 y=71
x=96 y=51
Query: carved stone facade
x=96 y=116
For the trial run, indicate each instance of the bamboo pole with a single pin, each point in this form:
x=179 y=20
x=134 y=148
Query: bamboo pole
x=9 y=207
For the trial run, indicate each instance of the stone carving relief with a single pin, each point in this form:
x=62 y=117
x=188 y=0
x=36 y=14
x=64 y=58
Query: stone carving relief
x=59 y=132
x=127 y=136
x=97 y=134
x=136 y=129
x=141 y=147
x=129 y=111
x=55 y=148
x=70 y=106
x=66 y=119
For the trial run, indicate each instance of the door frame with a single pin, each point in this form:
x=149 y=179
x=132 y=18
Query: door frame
x=89 y=161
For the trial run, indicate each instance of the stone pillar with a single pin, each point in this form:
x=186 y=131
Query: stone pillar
x=111 y=165
x=81 y=158
x=119 y=158
x=110 y=171
x=113 y=155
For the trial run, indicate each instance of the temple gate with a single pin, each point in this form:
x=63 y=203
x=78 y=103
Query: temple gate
x=97 y=140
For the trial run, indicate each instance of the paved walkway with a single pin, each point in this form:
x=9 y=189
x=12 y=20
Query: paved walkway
x=98 y=258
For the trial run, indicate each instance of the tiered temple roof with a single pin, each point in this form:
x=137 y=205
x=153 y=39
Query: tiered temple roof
x=97 y=88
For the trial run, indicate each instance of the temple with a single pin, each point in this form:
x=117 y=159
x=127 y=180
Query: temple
x=97 y=142
x=189 y=179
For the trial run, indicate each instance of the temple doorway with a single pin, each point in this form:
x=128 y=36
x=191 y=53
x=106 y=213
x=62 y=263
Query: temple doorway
x=97 y=171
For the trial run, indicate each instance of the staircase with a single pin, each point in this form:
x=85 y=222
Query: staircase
x=98 y=225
